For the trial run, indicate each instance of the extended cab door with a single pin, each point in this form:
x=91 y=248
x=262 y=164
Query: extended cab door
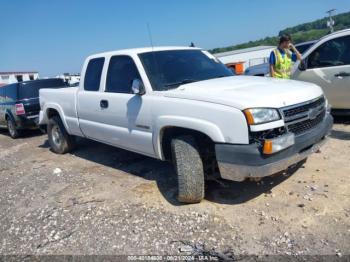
x=113 y=114
x=88 y=98
x=328 y=66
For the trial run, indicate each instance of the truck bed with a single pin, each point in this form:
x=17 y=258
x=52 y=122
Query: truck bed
x=66 y=99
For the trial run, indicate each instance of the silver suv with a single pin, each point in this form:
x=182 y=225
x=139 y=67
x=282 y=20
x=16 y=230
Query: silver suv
x=327 y=64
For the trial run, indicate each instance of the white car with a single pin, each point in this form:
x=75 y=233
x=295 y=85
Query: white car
x=182 y=105
x=327 y=64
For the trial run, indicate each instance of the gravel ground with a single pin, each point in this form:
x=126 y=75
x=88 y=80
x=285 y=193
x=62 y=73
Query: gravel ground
x=100 y=200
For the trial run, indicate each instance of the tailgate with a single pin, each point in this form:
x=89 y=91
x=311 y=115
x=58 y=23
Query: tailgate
x=31 y=106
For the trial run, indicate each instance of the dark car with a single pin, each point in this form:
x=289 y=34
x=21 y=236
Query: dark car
x=19 y=104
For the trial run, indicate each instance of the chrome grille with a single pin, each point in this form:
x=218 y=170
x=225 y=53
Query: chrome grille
x=302 y=117
x=301 y=127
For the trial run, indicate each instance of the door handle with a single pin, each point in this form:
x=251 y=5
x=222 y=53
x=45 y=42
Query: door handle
x=104 y=103
x=342 y=74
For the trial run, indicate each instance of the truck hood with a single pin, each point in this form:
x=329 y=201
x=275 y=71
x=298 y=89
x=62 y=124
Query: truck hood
x=244 y=92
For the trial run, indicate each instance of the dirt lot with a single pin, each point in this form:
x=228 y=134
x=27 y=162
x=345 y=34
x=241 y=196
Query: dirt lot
x=102 y=200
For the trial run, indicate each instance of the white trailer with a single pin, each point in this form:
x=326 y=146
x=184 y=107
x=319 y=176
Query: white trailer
x=14 y=77
x=248 y=56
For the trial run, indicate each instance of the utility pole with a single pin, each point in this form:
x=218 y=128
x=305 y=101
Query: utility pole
x=330 y=22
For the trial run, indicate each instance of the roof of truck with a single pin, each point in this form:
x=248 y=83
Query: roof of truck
x=343 y=31
x=143 y=50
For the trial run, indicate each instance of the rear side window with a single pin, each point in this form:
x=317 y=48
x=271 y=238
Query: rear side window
x=11 y=92
x=2 y=94
x=121 y=72
x=93 y=74
x=335 y=52
x=31 y=89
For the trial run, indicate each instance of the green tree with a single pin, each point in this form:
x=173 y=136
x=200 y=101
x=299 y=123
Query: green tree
x=300 y=33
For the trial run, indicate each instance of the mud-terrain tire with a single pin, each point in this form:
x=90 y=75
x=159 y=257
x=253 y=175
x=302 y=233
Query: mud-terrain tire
x=60 y=141
x=11 y=127
x=189 y=168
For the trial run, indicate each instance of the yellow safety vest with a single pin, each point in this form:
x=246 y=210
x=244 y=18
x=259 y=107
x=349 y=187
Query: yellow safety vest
x=283 y=65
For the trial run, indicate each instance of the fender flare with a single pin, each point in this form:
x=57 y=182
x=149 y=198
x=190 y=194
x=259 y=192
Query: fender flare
x=9 y=114
x=59 y=109
x=164 y=122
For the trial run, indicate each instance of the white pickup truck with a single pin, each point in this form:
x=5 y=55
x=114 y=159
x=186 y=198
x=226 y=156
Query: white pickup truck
x=182 y=105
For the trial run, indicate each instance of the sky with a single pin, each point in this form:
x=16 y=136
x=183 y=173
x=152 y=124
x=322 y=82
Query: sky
x=55 y=36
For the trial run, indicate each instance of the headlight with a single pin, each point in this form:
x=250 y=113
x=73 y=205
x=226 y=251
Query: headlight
x=257 y=116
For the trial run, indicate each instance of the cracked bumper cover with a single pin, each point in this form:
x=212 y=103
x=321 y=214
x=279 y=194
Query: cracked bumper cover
x=238 y=162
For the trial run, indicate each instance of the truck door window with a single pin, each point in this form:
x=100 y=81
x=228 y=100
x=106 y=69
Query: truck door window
x=334 y=52
x=93 y=74
x=121 y=72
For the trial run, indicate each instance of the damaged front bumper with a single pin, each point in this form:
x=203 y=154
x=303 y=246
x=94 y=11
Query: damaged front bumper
x=238 y=162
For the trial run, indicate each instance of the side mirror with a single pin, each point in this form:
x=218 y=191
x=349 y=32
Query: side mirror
x=137 y=87
x=302 y=66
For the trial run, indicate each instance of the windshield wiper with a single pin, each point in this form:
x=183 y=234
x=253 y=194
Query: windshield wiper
x=185 y=81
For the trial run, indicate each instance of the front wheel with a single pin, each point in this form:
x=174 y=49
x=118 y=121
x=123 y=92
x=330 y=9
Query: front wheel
x=11 y=127
x=60 y=141
x=189 y=168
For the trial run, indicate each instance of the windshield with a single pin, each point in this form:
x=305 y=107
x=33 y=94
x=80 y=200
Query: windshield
x=170 y=69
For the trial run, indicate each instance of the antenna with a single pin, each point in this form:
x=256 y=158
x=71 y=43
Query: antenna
x=153 y=53
x=150 y=35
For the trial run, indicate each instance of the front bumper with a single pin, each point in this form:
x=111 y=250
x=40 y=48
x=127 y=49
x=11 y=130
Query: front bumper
x=238 y=162
x=42 y=118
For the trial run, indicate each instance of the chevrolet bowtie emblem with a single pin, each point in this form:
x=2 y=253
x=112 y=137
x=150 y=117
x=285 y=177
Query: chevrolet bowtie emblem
x=313 y=113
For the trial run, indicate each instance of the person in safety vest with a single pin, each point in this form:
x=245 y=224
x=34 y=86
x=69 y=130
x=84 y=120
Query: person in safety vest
x=282 y=58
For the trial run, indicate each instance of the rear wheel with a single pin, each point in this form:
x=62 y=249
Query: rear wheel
x=11 y=127
x=189 y=168
x=60 y=141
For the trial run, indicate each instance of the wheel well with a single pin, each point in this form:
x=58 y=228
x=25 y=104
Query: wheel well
x=205 y=143
x=52 y=112
x=8 y=116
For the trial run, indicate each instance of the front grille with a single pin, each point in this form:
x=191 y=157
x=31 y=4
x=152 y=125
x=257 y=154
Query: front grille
x=303 y=126
x=294 y=111
x=301 y=118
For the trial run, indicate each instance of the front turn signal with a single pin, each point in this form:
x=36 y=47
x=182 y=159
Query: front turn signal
x=249 y=116
x=268 y=147
x=274 y=145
